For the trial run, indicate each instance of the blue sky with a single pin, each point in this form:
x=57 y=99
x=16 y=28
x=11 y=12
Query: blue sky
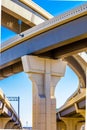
x=20 y=85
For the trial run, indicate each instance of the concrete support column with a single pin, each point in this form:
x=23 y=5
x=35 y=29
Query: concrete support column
x=61 y=125
x=80 y=125
x=81 y=111
x=3 y=122
x=44 y=73
x=16 y=127
x=9 y=125
x=71 y=123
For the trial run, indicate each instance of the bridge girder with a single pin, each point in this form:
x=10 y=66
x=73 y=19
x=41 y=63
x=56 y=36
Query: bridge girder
x=74 y=106
x=11 y=23
x=12 y=11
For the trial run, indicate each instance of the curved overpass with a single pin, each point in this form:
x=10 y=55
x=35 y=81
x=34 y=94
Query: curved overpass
x=72 y=114
x=8 y=117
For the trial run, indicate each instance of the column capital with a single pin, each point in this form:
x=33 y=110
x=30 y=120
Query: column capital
x=35 y=64
x=44 y=72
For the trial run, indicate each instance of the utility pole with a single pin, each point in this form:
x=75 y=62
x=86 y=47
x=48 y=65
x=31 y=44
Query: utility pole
x=18 y=100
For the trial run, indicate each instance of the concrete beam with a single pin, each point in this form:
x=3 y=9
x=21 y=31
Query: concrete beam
x=81 y=111
x=69 y=106
x=66 y=50
x=11 y=69
x=11 y=23
x=82 y=104
x=77 y=68
x=1 y=106
x=81 y=61
x=67 y=111
x=37 y=8
x=1 y=75
x=21 y=13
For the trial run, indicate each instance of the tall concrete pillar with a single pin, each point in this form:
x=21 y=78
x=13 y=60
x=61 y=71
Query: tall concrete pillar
x=44 y=73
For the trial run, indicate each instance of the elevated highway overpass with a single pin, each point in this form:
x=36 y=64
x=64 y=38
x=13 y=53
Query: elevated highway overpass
x=60 y=37
x=63 y=37
x=8 y=116
x=73 y=113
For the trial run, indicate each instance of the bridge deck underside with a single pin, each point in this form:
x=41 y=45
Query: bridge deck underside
x=71 y=111
x=64 y=40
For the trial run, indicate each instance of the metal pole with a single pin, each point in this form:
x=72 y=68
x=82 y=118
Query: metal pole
x=19 y=107
x=18 y=102
x=19 y=22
